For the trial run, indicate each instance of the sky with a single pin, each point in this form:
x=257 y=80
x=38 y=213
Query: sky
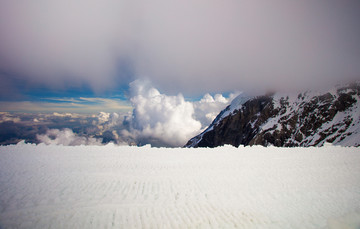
x=154 y=118
x=61 y=54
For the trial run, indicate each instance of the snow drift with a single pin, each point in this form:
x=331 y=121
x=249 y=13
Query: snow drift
x=141 y=187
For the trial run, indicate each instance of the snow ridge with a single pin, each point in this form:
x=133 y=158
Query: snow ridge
x=235 y=105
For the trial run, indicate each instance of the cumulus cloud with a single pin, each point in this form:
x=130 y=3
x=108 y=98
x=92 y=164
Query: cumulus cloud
x=168 y=119
x=209 y=107
x=221 y=45
x=161 y=119
x=157 y=119
x=107 y=122
x=7 y=117
x=66 y=137
x=103 y=117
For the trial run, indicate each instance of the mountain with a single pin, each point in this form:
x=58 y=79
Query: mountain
x=288 y=120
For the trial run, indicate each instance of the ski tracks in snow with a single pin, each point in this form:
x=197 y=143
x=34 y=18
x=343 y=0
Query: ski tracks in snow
x=130 y=187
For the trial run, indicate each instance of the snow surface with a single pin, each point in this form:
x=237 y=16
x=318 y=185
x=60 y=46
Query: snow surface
x=236 y=104
x=142 y=187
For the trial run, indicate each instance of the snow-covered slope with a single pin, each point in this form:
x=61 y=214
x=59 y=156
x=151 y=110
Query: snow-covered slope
x=305 y=119
x=226 y=187
x=235 y=105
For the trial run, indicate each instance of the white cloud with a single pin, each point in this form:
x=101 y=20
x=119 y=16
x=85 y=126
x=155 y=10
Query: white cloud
x=66 y=137
x=110 y=122
x=7 y=117
x=161 y=119
x=157 y=119
x=168 y=119
x=103 y=117
x=209 y=107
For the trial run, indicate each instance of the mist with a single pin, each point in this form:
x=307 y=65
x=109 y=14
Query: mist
x=179 y=45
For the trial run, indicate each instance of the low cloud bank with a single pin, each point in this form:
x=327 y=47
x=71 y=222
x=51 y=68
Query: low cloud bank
x=157 y=119
x=221 y=45
x=66 y=137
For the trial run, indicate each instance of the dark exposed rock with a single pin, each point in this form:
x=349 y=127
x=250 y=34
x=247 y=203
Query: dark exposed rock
x=307 y=119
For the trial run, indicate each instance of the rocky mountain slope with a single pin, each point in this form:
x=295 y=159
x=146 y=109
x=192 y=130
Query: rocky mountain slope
x=305 y=119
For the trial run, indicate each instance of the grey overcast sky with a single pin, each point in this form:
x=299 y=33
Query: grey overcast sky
x=187 y=46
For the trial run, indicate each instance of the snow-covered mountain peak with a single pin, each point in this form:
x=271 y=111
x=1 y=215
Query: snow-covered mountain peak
x=304 y=119
x=235 y=105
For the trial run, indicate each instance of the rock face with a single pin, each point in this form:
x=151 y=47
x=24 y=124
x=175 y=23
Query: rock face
x=306 y=119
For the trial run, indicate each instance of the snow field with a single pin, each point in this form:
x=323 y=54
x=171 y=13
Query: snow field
x=142 y=187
